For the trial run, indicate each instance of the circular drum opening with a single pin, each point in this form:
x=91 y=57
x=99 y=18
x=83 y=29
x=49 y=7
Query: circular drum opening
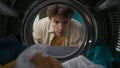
x=38 y=10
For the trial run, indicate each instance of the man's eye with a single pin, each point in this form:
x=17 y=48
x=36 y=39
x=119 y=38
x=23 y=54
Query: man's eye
x=65 y=22
x=56 y=22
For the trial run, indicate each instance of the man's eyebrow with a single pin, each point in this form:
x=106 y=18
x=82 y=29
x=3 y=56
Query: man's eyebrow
x=55 y=19
x=58 y=19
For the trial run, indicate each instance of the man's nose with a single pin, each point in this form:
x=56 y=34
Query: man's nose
x=61 y=26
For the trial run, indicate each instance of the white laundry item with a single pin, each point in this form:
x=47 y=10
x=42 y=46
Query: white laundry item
x=80 y=62
x=23 y=60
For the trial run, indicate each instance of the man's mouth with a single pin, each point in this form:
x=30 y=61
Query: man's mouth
x=60 y=32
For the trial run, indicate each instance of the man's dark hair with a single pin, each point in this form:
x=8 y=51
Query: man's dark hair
x=59 y=9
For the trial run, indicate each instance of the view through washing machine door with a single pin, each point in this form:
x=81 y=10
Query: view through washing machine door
x=104 y=23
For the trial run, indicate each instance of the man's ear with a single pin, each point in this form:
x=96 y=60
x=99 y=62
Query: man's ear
x=49 y=19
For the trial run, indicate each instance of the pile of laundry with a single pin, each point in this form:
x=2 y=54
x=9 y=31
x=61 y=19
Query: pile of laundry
x=14 y=54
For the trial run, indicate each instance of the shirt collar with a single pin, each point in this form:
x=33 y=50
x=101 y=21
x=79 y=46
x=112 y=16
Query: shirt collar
x=51 y=29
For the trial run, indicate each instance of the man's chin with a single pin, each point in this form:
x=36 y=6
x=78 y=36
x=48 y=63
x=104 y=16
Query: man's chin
x=60 y=35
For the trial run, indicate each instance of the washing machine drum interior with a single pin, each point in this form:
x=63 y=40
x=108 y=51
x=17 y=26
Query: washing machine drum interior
x=100 y=24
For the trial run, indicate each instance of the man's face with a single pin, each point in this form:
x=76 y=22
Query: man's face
x=60 y=24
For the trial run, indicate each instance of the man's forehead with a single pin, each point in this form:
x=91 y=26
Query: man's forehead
x=57 y=19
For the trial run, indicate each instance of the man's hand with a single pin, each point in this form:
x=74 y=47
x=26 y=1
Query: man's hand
x=45 y=62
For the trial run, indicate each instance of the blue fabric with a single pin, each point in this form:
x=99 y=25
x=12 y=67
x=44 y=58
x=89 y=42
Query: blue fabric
x=116 y=53
x=78 y=17
x=10 y=48
x=100 y=55
x=117 y=57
